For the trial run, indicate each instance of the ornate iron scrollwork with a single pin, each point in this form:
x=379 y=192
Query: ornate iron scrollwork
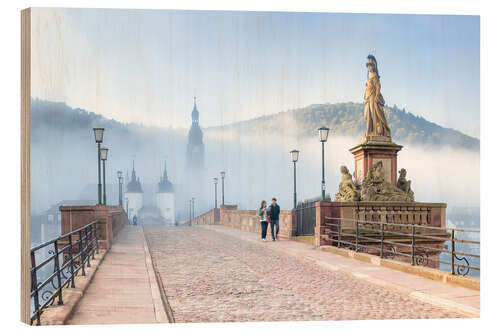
x=460 y=269
x=389 y=251
x=422 y=259
x=46 y=294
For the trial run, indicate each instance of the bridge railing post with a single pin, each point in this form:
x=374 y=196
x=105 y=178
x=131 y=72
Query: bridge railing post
x=88 y=244
x=34 y=287
x=92 y=241
x=413 y=244
x=357 y=235
x=81 y=250
x=452 y=251
x=382 y=240
x=96 y=234
x=71 y=267
x=338 y=232
x=58 y=272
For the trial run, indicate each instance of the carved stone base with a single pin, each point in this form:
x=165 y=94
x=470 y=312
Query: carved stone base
x=376 y=138
x=367 y=153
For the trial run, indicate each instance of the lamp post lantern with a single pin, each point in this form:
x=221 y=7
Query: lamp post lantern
x=120 y=184
x=323 y=137
x=98 y=136
x=295 y=157
x=104 y=157
x=222 y=176
x=215 y=183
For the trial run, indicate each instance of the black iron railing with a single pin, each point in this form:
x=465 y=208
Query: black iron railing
x=411 y=241
x=306 y=218
x=57 y=262
x=306 y=215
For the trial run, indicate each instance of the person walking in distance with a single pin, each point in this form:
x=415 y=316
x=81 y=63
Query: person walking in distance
x=263 y=219
x=274 y=214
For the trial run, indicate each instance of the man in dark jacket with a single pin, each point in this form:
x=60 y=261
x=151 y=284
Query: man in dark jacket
x=274 y=214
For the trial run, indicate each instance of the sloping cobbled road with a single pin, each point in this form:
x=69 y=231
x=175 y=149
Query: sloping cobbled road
x=214 y=277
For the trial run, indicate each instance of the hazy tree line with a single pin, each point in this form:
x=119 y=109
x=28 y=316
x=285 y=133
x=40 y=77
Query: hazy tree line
x=346 y=119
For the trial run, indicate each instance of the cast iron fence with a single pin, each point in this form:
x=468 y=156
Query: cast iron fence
x=389 y=240
x=67 y=255
x=306 y=216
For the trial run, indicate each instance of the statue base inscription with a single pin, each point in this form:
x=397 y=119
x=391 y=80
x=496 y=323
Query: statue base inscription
x=368 y=153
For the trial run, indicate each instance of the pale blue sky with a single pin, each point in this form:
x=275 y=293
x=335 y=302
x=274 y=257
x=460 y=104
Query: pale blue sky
x=145 y=65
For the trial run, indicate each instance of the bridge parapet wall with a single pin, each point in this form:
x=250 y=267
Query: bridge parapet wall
x=112 y=219
x=245 y=220
x=248 y=220
x=210 y=217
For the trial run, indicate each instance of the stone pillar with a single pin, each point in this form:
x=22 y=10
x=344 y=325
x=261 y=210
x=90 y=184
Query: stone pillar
x=323 y=209
x=368 y=153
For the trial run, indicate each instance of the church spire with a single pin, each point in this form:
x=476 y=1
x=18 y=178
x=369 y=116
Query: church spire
x=135 y=184
x=195 y=115
x=165 y=185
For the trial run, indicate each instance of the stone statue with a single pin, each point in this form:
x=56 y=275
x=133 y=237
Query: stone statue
x=403 y=184
x=376 y=188
x=348 y=191
x=376 y=124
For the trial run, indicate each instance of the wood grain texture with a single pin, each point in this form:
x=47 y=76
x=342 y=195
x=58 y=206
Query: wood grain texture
x=25 y=162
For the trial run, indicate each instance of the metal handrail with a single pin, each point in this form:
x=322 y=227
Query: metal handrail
x=388 y=247
x=63 y=274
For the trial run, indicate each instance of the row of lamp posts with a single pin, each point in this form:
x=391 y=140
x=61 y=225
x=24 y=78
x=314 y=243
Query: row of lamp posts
x=323 y=137
x=102 y=156
x=216 y=180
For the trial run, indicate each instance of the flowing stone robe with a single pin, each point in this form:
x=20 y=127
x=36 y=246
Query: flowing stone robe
x=376 y=124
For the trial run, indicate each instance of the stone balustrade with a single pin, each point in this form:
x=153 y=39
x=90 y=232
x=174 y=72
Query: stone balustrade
x=418 y=213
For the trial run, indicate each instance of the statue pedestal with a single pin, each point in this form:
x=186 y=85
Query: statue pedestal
x=367 y=153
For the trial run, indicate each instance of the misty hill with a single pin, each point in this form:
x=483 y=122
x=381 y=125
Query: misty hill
x=61 y=118
x=346 y=119
x=64 y=152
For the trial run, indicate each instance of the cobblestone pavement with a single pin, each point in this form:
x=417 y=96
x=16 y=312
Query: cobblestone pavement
x=215 y=277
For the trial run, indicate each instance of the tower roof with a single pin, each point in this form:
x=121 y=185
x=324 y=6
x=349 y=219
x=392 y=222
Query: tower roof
x=195 y=115
x=165 y=185
x=134 y=186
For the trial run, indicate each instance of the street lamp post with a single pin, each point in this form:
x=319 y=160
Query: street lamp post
x=222 y=176
x=192 y=202
x=98 y=135
x=120 y=183
x=190 y=212
x=295 y=158
x=104 y=156
x=126 y=201
x=215 y=183
x=323 y=136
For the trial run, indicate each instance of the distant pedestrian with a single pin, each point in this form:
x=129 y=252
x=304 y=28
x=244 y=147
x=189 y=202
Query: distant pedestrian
x=135 y=220
x=274 y=217
x=263 y=219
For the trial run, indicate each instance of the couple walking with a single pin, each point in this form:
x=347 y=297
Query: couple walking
x=268 y=215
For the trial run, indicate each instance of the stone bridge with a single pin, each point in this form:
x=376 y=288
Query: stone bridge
x=218 y=273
